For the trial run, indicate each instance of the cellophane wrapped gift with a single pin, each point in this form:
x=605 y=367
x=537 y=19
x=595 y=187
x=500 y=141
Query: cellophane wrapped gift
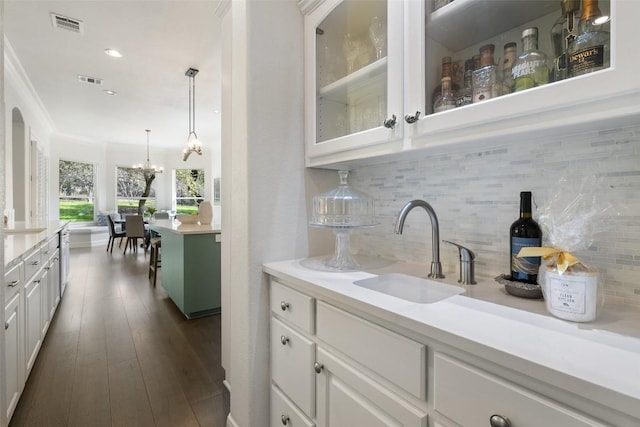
x=573 y=214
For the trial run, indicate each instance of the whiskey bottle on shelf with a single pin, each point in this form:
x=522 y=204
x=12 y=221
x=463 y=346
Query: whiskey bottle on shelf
x=446 y=101
x=590 y=51
x=446 y=72
x=485 y=82
x=531 y=69
x=563 y=32
x=508 y=59
x=465 y=95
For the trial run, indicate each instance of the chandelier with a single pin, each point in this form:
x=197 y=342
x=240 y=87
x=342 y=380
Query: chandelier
x=148 y=168
x=193 y=145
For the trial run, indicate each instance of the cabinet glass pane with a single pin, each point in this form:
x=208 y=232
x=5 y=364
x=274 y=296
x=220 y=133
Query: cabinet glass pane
x=351 y=69
x=458 y=29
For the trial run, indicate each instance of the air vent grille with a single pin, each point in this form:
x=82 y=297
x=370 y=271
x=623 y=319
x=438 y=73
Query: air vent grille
x=66 y=23
x=90 y=80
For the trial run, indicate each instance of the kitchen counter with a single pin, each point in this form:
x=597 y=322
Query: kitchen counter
x=21 y=238
x=177 y=227
x=603 y=355
x=190 y=271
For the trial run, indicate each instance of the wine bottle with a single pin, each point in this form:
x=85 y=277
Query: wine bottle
x=524 y=232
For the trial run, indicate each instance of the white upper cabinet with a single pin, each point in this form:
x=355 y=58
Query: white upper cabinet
x=346 y=110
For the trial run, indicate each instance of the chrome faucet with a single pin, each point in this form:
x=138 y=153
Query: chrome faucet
x=436 y=267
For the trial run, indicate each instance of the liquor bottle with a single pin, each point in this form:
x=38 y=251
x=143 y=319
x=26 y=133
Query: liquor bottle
x=446 y=72
x=485 y=78
x=446 y=101
x=531 y=69
x=563 y=32
x=524 y=232
x=509 y=58
x=465 y=95
x=590 y=50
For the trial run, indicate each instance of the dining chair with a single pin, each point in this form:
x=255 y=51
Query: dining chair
x=134 y=231
x=161 y=215
x=113 y=234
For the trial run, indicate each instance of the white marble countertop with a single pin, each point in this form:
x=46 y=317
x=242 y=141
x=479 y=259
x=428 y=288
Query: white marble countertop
x=22 y=238
x=177 y=227
x=605 y=352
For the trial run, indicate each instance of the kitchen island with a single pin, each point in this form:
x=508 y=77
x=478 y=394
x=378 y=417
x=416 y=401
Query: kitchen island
x=190 y=272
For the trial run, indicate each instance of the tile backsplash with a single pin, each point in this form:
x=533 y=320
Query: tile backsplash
x=476 y=192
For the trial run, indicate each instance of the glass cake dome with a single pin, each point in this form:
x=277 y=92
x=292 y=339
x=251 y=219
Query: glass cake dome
x=342 y=209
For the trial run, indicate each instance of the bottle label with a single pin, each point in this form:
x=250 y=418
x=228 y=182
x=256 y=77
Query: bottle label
x=465 y=99
x=572 y=294
x=524 y=265
x=527 y=68
x=586 y=60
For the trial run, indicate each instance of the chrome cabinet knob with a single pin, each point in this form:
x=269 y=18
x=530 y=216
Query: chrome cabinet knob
x=390 y=123
x=6 y=325
x=499 y=421
x=284 y=340
x=412 y=119
x=318 y=367
x=284 y=419
x=284 y=305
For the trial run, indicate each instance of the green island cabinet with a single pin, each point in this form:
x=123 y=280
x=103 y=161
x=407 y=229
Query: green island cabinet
x=190 y=272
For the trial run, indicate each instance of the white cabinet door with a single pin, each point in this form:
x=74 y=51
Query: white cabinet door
x=346 y=397
x=54 y=278
x=13 y=353
x=351 y=91
x=33 y=319
x=45 y=299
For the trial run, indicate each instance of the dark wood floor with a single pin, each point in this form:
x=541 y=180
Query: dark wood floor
x=119 y=353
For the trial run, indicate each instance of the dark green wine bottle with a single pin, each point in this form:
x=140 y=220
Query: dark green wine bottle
x=524 y=232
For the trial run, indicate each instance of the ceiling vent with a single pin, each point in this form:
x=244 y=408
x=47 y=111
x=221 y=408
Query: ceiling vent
x=89 y=80
x=66 y=23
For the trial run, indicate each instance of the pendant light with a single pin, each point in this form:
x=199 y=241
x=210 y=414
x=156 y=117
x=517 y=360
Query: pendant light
x=193 y=144
x=148 y=168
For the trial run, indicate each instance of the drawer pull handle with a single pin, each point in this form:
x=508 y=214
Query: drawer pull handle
x=36 y=281
x=35 y=263
x=284 y=305
x=284 y=419
x=13 y=284
x=47 y=268
x=499 y=421
x=390 y=123
x=318 y=367
x=284 y=340
x=6 y=325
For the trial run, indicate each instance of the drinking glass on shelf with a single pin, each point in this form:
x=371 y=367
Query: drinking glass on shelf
x=378 y=35
x=351 y=48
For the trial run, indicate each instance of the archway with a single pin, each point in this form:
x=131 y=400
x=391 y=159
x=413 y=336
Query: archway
x=18 y=165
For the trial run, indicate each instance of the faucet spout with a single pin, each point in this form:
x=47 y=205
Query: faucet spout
x=436 y=266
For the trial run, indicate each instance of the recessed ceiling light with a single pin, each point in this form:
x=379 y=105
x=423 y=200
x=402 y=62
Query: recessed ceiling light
x=109 y=92
x=113 y=52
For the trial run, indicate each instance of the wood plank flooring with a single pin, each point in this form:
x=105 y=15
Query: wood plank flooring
x=119 y=353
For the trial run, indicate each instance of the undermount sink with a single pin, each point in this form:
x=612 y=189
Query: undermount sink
x=410 y=288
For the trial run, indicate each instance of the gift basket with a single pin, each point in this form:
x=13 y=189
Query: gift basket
x=570 y=219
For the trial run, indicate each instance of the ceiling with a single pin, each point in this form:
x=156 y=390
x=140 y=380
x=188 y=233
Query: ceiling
x=159 y=40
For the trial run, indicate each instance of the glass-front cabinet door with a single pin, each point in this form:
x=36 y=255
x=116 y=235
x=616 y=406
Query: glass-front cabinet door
x=354 y=77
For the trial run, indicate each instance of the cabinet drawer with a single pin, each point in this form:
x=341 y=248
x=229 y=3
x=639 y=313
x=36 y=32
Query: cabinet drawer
x=13 y=278
x=48 y=248
x=32 y=264
x=396 y=358
x=292 y=358
x=283 y=412
x=293 y=306
x=470 y=396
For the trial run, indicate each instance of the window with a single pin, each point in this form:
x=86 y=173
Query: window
x=188 y=190
x=76 y=196
x=135 y=191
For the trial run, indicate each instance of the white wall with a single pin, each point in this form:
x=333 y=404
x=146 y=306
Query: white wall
x=264 y=185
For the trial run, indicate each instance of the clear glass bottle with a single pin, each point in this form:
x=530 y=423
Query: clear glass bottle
x=509 y=58
x=485 y=78
x=446 y=72
x=590 y=51
x=465 y=95
x=531 y=69
x=563 y=32
x=447 y=100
